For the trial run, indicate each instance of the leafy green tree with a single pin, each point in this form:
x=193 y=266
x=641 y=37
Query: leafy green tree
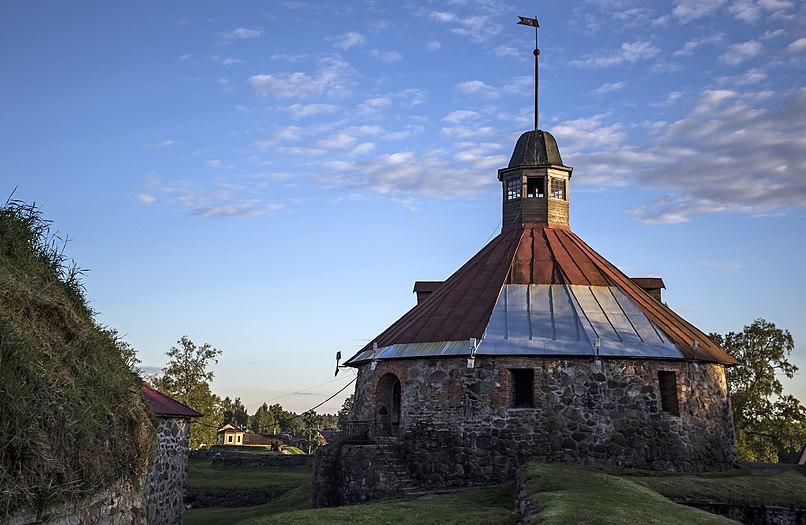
x=768 y=423
x=263 y=421
x=311 y=421
x=346 y=411
x=187 y=379
x=235 y=412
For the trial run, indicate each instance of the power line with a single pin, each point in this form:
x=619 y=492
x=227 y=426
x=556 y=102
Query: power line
x=293 y=393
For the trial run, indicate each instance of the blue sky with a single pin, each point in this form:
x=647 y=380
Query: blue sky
x=272 y=177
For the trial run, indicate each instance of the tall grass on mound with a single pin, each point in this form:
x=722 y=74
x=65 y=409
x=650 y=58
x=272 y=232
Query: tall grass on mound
x=72 y=420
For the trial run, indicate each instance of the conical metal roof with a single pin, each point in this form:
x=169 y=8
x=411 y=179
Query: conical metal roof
x=538 y=290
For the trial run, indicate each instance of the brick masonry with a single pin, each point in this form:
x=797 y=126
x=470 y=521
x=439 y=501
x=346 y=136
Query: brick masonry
x=458 y=426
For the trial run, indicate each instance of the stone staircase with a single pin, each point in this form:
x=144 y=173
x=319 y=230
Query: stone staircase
x=388 y=447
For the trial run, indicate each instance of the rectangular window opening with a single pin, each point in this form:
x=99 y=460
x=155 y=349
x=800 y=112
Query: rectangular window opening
x=514 y=187
x=229 y=439
x=668 y=392
x=523 y=387
x=535 y=188
x=557 y=189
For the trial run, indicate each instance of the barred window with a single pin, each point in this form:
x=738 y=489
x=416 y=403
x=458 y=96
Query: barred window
x=557 y=188
x=514 y=189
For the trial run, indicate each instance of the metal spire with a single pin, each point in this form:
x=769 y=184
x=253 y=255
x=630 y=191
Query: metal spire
x=532 y=22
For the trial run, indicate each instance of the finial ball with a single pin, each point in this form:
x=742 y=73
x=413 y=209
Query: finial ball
x=536 y=52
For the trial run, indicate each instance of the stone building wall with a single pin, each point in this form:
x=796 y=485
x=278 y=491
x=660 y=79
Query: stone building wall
x=458 y=425
x=164 y=485
x=346 y=474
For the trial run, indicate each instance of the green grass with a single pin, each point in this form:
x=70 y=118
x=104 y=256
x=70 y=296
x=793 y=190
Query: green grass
x=490 y=506
x=202 y=475
x=575 y=495
x=486 y=505
x=561 y=495
x=786 y=489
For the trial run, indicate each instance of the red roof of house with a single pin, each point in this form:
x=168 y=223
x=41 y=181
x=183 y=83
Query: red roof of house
x=163 y=405
x=461 y=307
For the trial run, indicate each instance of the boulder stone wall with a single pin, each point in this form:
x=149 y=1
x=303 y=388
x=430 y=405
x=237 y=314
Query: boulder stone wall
x=346 y=474
x=458 y=425
x=164 y=485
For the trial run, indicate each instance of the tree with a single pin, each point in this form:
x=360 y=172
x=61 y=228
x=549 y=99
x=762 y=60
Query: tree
x=187 y=379
x=346 y=411
x=235 y=412
x=768 y=423
x=263 y=421
x=311 y=421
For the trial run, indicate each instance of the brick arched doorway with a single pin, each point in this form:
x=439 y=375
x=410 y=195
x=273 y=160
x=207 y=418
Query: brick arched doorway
x=387 y=405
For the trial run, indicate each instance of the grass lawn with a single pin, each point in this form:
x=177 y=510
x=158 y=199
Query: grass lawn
x=785 y=489
x=576 y=495
x=489 y=506
x=561 y=494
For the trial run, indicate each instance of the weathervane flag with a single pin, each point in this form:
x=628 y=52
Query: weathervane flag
x=524 y=21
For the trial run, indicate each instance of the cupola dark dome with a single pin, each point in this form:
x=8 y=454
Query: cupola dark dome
x=536 y=148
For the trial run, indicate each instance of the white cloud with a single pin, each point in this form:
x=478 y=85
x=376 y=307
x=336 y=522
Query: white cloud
x=226 y=84
x=373 y=106
x=242 y=33
x=363 y=148
x=745 y=10
x=331 y=79
x=797 y=46
x=390 y=57
x=476 y=87
x=146 y=199
x=311 y=110
x=227 y=61
x=460 y=115
x=433 y=45
x=348 y=40
x=738 y=53
x=728 y=155
x=629 y=52
x=690 y=46
x=479 y=28
x=688 y=10
x=241 y=208
x=160 y=145
x=609 y=87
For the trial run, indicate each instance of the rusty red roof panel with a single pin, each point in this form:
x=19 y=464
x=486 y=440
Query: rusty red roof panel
x=163 y=405
x=461 y=307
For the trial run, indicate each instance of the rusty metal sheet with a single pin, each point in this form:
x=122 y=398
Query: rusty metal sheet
x=473 y=303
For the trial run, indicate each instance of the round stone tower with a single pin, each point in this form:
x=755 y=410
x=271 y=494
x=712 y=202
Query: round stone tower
x=538 y=347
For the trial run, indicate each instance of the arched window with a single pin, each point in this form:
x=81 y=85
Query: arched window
x=388 y=404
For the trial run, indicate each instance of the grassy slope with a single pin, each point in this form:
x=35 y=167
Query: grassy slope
x=488 y=505
x=575 y=495
x=561 y=494
x=787 y=488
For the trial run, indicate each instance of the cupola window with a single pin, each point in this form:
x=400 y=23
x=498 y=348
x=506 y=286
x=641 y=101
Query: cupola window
x=557 y=188
x=535 y=187
x=514 y=187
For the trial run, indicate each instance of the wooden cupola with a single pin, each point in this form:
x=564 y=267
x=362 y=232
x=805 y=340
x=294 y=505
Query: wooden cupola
x=535 y=184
